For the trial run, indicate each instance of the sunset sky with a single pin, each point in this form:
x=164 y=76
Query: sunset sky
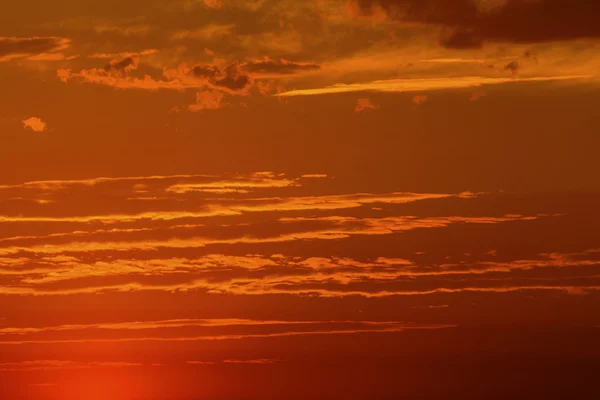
x=275 y=199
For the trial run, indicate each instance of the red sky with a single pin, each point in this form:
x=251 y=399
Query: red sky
x=362 y=199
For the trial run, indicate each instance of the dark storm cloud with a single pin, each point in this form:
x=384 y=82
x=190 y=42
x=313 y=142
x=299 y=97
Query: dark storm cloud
x=474 y=21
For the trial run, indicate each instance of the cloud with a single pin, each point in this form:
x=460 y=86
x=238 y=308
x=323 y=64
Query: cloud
x=268 y=67
x=207 y=100
x=231 y=208
x=101 y=76
x=454 y=60
x=460 y=39
x=256 y=361
x=35 y=124
x=231 y=78
x=314 y=176
x=123 y=67
x=176 y=323
x=235 y=78
x=52 y=185
x=201 y=362
x=64 y=74
x=217 y=333
x=120 y=67
x=513 y=67
x=57 y=264
x=207 y=32
x=477 y=95
x=209 y=234
x=469 y=23
x=490 y=6
x=51 y=365
x=213 y=3
x=333 y=202
x=33 y=48
x=420 y=99
x=364 y=104
x=123 y=55
x=217 y=78
x=117 y=73
x=413 y=85
x=265 y=180
x=190 y=5
x=130 y=30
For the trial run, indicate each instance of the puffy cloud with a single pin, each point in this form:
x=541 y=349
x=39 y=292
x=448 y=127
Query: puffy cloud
x=123 y=67
x=35 y=124
x=207 y=100
x=218 y=77
x=231 y=78
x=364 y=104
x=64 y=74
x=117 y=73
x=238 y=78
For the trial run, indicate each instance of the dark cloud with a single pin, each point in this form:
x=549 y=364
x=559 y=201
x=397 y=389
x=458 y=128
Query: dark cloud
x=460 y=39
x=513 y=67
x=474 y=21
x=283 y=67
x=122 y=67
x=238 y=78
x=30 y=46
x=231 y=78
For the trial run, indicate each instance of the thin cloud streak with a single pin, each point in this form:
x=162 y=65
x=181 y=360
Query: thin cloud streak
x=394 y=329
x=370 y=227
x=54 y=365
x=177 y=323
x=414 y=85
x=331 y=202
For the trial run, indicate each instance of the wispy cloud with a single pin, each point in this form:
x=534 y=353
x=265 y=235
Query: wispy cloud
x=415 y=85
x=49 y=365
x=319 y=329
x=34 y=48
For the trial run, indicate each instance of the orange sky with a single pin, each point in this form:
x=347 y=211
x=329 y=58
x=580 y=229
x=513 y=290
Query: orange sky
x=336 y=199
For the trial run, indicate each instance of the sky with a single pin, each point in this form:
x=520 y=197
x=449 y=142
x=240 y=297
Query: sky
x=283 y=199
